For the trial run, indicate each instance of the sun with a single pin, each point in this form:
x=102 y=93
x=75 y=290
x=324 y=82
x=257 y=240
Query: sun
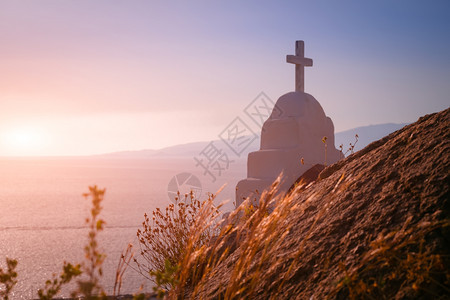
x=22 y=141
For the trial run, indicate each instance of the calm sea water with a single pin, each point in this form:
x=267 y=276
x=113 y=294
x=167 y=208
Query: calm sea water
x=42 y=211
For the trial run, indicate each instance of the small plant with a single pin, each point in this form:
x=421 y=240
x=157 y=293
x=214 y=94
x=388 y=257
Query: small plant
x=122 y=266
x=8 y=278
x=165 y=279
x=351 y=147
x=249 y=210
x=53 y=287
x=92 y=267
x=165 y=237
x=89 y=288
x=324 y=141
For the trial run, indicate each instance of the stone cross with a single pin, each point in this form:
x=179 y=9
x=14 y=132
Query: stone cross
x=300 y=62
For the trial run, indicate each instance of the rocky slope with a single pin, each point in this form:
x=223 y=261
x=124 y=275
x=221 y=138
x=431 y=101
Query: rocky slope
x=373 y=225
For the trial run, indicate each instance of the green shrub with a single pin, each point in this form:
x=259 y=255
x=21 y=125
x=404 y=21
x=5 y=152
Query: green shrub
x=53 y=287
x=8 y=278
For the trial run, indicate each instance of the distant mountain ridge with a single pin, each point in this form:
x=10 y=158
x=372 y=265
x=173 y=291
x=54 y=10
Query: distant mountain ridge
x=181 y=150
x=366 y=135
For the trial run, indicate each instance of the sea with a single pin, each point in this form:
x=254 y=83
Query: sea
x=43 y=212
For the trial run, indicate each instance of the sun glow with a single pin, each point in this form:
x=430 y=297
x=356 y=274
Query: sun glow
x=22 y=141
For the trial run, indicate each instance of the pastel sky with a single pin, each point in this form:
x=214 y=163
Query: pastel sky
x=82 y=77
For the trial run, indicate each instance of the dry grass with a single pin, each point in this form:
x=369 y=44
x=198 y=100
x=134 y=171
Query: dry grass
x=260 y=237
x=400 y=258
x=250 y=257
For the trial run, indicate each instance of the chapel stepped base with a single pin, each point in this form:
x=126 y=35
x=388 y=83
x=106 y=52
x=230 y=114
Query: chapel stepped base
x=253 y=188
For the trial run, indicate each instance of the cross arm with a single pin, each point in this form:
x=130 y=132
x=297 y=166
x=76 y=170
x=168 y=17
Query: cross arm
x=307 y=62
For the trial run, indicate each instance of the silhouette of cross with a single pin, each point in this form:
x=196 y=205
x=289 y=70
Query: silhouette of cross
x=300 y=62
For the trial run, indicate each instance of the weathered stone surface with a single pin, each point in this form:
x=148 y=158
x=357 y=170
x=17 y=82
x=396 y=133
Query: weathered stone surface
x=401 y=179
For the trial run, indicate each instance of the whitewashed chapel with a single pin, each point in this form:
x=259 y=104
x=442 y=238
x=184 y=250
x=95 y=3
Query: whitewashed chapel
x=291 y=135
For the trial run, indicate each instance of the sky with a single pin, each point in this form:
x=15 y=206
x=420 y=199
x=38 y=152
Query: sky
x=81 y=77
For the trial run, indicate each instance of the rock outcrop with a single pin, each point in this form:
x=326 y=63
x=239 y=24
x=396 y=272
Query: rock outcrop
x=387 y=201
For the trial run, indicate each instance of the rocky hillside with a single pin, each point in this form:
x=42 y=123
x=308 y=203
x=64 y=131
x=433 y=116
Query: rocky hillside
x=375 y=225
